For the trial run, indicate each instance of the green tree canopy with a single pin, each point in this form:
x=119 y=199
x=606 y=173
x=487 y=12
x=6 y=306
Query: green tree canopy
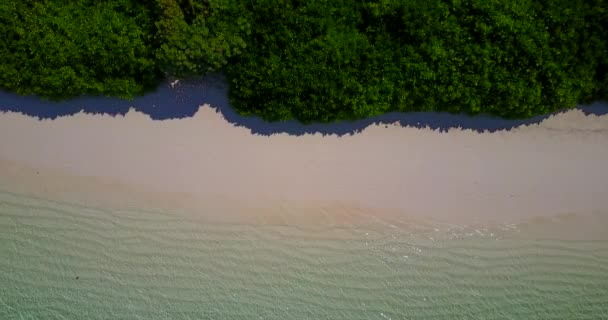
x=60 y=48
x=317 y=60
x=199 y=36
x=328 y=60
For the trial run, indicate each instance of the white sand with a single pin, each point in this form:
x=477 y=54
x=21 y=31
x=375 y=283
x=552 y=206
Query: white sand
x=204 y=162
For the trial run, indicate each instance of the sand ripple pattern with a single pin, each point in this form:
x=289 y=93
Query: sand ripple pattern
x=61 y=261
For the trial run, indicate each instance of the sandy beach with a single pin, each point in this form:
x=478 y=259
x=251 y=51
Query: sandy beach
x=127 y=217
x=202 y=163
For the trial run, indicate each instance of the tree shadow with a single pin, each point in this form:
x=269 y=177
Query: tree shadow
x=183 y=100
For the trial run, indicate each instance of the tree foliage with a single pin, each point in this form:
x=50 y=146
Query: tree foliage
x=198 y=36
x=317 y=60
x=61 y=48
x=328 y=60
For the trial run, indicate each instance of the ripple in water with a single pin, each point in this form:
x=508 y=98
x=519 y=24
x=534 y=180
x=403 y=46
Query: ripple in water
x=62 y=261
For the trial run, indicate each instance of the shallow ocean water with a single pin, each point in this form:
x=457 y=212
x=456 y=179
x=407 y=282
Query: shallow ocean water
x=66 y=261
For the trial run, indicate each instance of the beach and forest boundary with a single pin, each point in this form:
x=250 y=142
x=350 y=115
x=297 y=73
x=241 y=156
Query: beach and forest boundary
x=316 y=60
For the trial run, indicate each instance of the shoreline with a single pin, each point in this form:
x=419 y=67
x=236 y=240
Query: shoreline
x=204 y=163
x=183 y=100
x=42 y=188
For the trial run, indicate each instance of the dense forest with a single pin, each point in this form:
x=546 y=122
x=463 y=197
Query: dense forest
x=317 y=60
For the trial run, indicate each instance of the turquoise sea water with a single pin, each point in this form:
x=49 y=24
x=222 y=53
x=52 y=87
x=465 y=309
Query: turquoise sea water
x=60 y=261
